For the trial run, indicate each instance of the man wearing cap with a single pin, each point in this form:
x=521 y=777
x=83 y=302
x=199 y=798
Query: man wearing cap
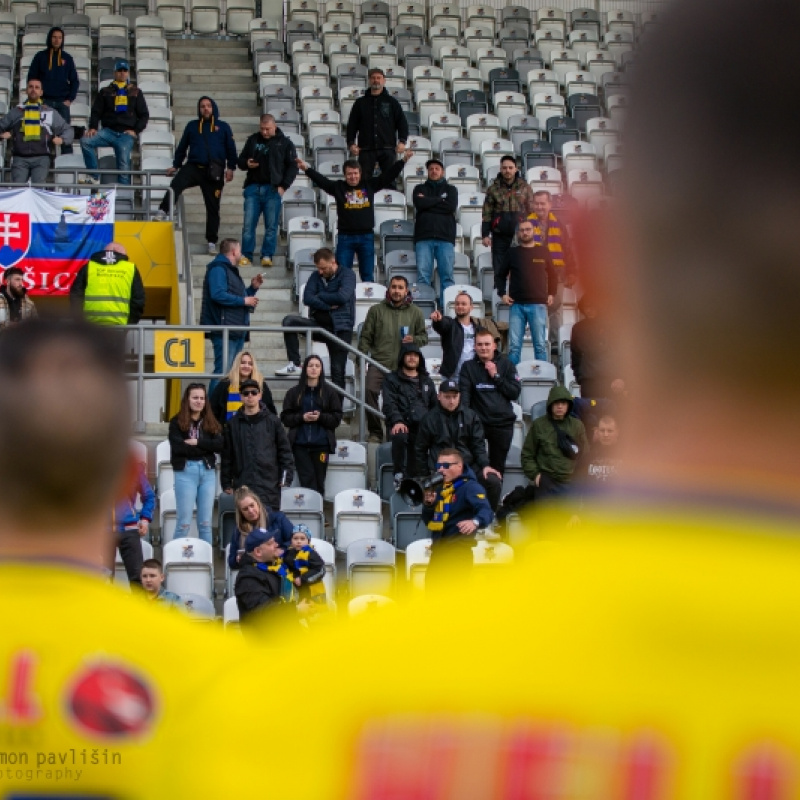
x=436 y=203
x=108 y=290
x=259 y=582
x=452 y=425
x=122 y=110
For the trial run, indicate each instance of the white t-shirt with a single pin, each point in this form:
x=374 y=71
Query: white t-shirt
x=468 y=350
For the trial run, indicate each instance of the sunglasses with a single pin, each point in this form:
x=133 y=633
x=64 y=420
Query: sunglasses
x=250 y=392
x=446 y=464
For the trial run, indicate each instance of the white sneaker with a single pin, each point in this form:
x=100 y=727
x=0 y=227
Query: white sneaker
x=212 y=248
x=161 y=216
x=88 y=180
x=289 y=369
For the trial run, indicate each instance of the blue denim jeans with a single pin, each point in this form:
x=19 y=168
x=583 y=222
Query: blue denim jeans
x=194 y=483
x=235 y=346
x=534 y=316
x=261 y=198
x=105 y=137
x=361 y=245
x=445 y=255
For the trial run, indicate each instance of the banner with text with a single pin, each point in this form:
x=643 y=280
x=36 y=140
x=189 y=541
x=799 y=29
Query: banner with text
x=51 y=236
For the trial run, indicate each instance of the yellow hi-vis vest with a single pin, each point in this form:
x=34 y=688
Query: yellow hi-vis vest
x=108 y=292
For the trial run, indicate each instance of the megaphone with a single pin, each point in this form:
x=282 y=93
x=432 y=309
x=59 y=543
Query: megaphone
x=413 y=491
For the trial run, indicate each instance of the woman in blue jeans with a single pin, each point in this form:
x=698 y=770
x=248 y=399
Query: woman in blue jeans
x=195 y=437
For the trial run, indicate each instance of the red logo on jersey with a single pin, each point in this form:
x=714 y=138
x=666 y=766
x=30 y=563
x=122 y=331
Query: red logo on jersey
x=111 y=700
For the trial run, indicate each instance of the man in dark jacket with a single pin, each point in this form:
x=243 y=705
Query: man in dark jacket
x=257 y=452
x=122 y=110
x=452 y=425
x=15 y=305
x=355 y=211
x=408 y=395
x=270 y=160
x=330 y=295
x=533 y=284
x=377 y=127
x=59 y=78
x=489 y=384
x=210 y=145
x=257 y=586
x=227 y=302
x=436 y=203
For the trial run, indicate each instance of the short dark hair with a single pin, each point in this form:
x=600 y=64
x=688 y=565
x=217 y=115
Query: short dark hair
x=375 y=70
x=351 y=163
x=484 y=332
x=399 y=278
x=451 y=451
x=324 y=254
x=153 y=563
x=226 y=245
x=509 y=158
x=541 y=192
x=13 y=271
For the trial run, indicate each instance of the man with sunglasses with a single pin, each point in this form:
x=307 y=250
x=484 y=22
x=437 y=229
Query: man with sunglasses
x=453 y=513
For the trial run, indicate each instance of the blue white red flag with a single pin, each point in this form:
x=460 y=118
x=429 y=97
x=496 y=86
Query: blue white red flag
x=51 y=236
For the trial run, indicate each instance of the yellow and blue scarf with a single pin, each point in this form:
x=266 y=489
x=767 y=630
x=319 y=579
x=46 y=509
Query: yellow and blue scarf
x=278 y=567
x=553 y=238
x=32 y=122
x=121 y=99
x=317 y=590
x=442 y=511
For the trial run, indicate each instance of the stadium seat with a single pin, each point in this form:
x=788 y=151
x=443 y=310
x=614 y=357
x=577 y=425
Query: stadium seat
x=347 y=469
x=537 y=378
x=407 y=525
x=303 y=233
x=168 y=519
x=230 y=613
x=327 y=553
x=200 y=608
x=368 y=604
x=189 y=567
x=120 y=575
x=356 y=515
x=368 y=295
x=513 y=476
x=371 y=567
x=238 y=14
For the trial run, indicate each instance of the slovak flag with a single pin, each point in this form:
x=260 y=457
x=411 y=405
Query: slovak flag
x=51 y=235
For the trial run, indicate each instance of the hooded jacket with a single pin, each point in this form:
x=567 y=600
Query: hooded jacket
x=335 y=296
x=223 y=296
x=206 y=141
x=436 y=205
x=405 y=399
x=468 y=502
x=461 y=429
x=490 y=398
x=540 y=452
x=378 y=121
x=276 y=160
x=103 y=110
x=256 y=454
x=380 y=336
x=56 y=70
x=505 y=205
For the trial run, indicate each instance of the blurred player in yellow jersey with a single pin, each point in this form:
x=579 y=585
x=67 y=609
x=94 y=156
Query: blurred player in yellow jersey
x=101 y=695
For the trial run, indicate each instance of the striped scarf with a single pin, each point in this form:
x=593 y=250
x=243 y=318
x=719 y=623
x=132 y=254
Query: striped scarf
x=553 y=238
x=121 y=99
x=32 y=122
x=317 y=590
x=234 y=403
x=442 y=512
x=278 y=567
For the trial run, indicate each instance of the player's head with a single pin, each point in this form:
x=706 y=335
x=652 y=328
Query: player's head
x=64 y=424
x=152 y=576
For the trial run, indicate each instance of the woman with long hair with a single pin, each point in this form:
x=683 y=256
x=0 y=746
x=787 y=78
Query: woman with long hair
x=195 y=437
x=312 y=410
x=226 y=400
x=251 y=514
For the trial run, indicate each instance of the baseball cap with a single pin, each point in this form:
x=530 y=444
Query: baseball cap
x=121 y=64
x=449 y=386
x=257 y=537
x=249 y=383
x=433 y=161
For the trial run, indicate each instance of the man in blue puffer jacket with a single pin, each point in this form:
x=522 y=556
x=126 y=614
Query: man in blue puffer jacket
x=212 y=160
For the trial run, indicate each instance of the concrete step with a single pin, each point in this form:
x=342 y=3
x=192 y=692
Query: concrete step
x=189 y=104
x=180 y=74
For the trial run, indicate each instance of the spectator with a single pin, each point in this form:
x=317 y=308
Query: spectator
x=451 y=425
x=453 y=513
x=15 y=305
x=377 y=127
x=132 y=523
x=256 y=453
x=250 y=515
x=355 y=210
x=389 y=325
x=509 y=199
x=55 y=70
x=489 y=384
x=262 y=584
x=330 y=295
x=436 y=203
x=210 y=146
x=594 y=357
x=122 y=110
x=312 y=410
x=34 y=127
x=306 y=567
x=195 y=437
x=152 y=581
x=603 y=462
x=532 y=285
x=227 y=302
x=269 y=158
x=553 y=446
x=226 y=400
x=108 y=290
x=408 y=395
x=458 y=335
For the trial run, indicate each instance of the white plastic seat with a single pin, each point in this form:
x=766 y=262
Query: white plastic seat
x=356 y=515
x=189 y=567
x=425 y=78
x=113 y=25
x=388 y=205
x=465 y=78
x=306 y=51
x=148 y=26
x=465 y=177
x=304 y=507
x=323 y=123
x=347 y=468
x=371 y=33
x=585 y=184
x=165 y=477
x=230 y=612
x=206 y=15
x=490 y=58
x=152 y=69
x=342 y=53
x=303 y=233
x=446 y=14
x=312 y=75
x=157 y=93
x=470 y=209
x=238 y=14
x=432 y=103
x=581 y=82
x=443 y=126
x=541 y=81
x=492 y=152
x=418 y=556
x=508 y=105
x=482 y=127
x=491 y=555
x=371 y=566
x=579 y=155
x=537 y=378
x=368 y=295
x=546 y=105
x=334 y=33
x=327 y=553
x=156 y=143
x=601 y=131
x=273 y=72
x=454 y=58
x=173 y=13
x=315 y=98
x=368 y=604
x=545 y=179
x=95 y=9
x=482 y=16
x=478 y=37
x=395 y=76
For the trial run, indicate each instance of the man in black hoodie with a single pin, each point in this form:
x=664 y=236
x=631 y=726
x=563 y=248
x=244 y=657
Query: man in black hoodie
x=408 y=395
x=59 y=78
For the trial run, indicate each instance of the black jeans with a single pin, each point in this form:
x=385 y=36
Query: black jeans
x=190 y=175
x=338 y=354
x=403 y=453
x=493 y=486
x=130 y=548
x=498 y=437
x=500 y=247
x=385 y=158
x=312 y=466
x=58 y=105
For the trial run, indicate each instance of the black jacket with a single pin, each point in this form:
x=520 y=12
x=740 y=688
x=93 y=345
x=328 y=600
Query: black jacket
x=436 y=206
x=461 y=429
x=406 y=400
x=330 y=413
x=378 y=121
x=205 y=450
x=256 y=589
x=592 y=353
x=452 y=333
x=256 y=454
x=219 y=400
x=315 y=564
x=276 y=160
x=335 y=296
x=533 y=276
x=56 y=70
x=490 y=398
x=135 y=118
x=355 y=206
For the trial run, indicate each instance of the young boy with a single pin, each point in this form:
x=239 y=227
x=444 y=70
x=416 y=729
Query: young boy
x=153 y=584
x=305 y=566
